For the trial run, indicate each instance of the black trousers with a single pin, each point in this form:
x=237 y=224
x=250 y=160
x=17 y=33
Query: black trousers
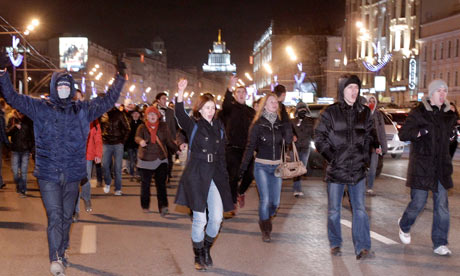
x=161 y=174
x=234 y=156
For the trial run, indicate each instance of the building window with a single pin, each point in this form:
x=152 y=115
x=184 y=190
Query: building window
x=448 y=78
x=424 y=53
x=336 y=62
x=403 y=8
x=456 y=79
x=441 y=54
x=434 y=51
x=424 y=80
x=456 y=48
x=449 y=47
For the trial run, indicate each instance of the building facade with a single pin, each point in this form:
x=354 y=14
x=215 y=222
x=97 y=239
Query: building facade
x=219 y=58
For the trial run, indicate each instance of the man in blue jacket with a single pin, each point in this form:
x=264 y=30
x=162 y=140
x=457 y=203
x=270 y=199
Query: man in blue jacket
x=61 y=128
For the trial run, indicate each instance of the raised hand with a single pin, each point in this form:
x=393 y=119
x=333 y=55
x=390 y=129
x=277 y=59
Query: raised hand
x=232 y=83
x=182 y=84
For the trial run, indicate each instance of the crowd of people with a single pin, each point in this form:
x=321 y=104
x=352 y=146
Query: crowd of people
x=226 y=150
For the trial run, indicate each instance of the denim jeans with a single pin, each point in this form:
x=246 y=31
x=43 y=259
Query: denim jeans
x=372 y=170
x=59 y=199
x=269 y=188
x=19 y=166
x=303 y=155
x=215 y=215
x=441 y=216
x=115 y=151
x=85 y=193
x=132 y=159
x=360 y=224
x=161 y=173
x=234 y=156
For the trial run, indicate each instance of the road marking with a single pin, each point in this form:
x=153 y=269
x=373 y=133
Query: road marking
x=88 y=240
x=394 y=176
x=374 y=235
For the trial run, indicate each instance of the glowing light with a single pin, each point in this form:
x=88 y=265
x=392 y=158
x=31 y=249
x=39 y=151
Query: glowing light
x=26 y=32
x=35 y=22
x=374 y=68
x=83 y=85
x=359 y=24
x=291 y=53
x=248 y=76
x=193 y=93
x=185 y=94
x=148 y=89
x=131 y=88
x=219 y=97
x=97 y=66
x=30 y=27
x=111 y=81
x=268 y=68
x=16 y=61
x=241 y=82
x=94 y=70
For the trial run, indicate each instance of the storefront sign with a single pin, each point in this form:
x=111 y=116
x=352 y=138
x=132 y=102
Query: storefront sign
x=412 y=73
x=398 y=88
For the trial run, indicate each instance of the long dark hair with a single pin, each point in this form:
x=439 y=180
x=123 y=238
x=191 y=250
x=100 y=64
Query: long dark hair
x=202 y=100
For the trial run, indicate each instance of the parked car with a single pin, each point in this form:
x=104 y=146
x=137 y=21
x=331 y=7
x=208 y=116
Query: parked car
x=395 y=146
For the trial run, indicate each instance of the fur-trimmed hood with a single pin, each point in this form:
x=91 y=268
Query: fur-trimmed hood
x=427 y=104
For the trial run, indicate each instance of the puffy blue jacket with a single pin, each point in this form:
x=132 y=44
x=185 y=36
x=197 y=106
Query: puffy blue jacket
x=61 y=127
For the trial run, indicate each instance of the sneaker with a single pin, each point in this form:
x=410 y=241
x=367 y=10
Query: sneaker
x=298 y=194
x=442 y=251
x=118 y=193
x=88 y=206
x=336 y=251
x=57 y=268
x=106 y=189
x=365 y=254
x=75 y=217
x=22 y=195
x=370 y=192
x=164 y=211
x=404 y=237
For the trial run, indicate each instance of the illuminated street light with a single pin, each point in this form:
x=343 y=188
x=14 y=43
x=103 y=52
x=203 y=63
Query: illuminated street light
x=291 y=53
x=97 y=66
x=26 y=32
x=35 y=22
x=219 y=97
x=131 y=88
x=268 y=68
x=359 y=24
x=110 y=81
x=91 y=73
x=148 y=89
x=248 y=76
x=185 y=94
x=241 y=82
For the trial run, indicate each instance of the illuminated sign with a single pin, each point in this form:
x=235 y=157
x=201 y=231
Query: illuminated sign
x=73 y=53
x=420 y=96
x=325 y=100
x=381 y=60
x=380 y=83
x=412 y=73
x=398 y=88
x=15 y=57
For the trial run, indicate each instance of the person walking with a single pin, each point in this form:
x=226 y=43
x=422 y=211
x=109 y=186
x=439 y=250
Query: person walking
x=115 y=130
x=379 y=127
x=428 y=127
x=302 y=125
x=61 y=128
x=343 y=137
x=131 y=146
x=204 y=182
x=20 y=129
x=266 y=137
x=3 y=137
x=154 y=140
x=237 y=118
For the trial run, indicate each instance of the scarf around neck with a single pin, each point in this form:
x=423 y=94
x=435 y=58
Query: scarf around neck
x=152 y=128
x=271 y=117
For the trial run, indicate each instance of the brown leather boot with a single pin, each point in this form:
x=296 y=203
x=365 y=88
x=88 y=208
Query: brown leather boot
x=198 y=249
x=265 y=228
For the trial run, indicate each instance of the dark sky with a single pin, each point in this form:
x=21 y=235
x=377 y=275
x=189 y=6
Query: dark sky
x=187 y=27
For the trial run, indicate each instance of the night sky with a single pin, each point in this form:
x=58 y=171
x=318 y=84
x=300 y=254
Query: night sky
x=187 y=27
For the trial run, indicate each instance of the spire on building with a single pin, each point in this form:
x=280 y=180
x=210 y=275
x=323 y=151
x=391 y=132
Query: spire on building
x=219 y=57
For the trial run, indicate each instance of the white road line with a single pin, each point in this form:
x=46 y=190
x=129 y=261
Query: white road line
x=394 y=176
x=88 y=240
x=374 y=235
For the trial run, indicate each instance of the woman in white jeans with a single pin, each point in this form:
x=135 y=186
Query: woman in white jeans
x=204 y=183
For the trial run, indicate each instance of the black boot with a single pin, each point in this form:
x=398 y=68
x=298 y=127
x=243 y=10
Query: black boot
x=198 y=249
x=208 y=241
x=264 y=228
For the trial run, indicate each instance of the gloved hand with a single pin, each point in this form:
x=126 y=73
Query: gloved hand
x=121 y=66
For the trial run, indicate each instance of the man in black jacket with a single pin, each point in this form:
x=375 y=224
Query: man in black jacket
x=237 y=118
x=115 y=131
x=343 y=136
x=428 y=127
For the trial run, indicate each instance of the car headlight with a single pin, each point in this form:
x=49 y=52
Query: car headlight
x=312 y=145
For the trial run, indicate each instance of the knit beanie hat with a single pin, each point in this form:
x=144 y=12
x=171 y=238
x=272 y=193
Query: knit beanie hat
x=435 y=85
x=64 y=80
x=352 y=79
x=300 y=105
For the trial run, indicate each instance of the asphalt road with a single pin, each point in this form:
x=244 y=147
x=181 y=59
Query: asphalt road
x=117 y=238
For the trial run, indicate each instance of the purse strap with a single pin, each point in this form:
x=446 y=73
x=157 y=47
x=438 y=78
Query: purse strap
x=296 y=154
x=162 y=147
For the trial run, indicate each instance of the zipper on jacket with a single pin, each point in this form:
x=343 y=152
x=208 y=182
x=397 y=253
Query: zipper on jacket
x=273 y=133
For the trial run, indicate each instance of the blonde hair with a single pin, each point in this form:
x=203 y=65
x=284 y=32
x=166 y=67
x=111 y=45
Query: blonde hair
x=262 y=103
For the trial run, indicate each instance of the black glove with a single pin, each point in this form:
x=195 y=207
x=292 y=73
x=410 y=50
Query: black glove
x=121 y=66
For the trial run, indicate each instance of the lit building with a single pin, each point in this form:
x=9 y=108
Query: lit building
x=440 y=46
x=219 y=58
x=380 y=44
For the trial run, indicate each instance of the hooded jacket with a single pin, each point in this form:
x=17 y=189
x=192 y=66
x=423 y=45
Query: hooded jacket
x=343 y=136
x=429 y=159
x=61 y=126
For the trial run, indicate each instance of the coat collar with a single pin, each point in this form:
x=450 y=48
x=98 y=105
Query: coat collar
x=428 y=107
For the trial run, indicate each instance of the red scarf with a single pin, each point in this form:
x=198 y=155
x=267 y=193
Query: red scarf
x=152 y=128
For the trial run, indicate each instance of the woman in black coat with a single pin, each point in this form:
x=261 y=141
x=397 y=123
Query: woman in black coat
x=204 y=182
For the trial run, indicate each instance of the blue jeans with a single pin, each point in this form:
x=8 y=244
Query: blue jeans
x=19 y=166
x=115 y=151
x=303 y=155
x=215 y=214
x=269 y=188
x=59 y=199
x=85 y=193
x=132 y=159
x=372 y=170
x=441 y=216
x=360 y=225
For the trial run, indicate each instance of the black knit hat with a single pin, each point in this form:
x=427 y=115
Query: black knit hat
x=352 y=79
x=64 y=80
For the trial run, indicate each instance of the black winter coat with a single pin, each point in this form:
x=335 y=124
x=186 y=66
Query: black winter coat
x=207 y=145
x=267 y=140
x=133 y=125
x=237 y=119
x=429 y=159
x=115 y=127
x=303 y=129
x=3 y=136
x=21 y=139
x=343 y=136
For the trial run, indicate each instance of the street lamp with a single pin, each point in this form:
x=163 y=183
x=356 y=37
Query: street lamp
x=248 y=76
x=268 y=68
x=291 y=53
